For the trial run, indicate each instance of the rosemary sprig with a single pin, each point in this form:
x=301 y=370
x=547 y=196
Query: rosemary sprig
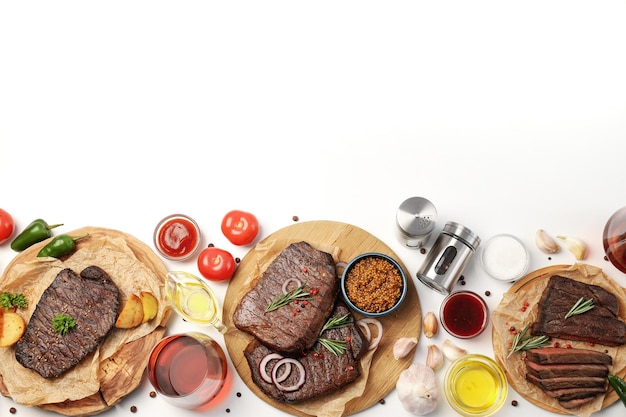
x=337 y=347
x=523 y=342
x=336 y=323
x=283 y=299
x=581 y=306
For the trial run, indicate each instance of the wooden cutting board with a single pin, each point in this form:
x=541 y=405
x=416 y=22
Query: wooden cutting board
x=533 y=280
x=122 y=372
x=352 y=241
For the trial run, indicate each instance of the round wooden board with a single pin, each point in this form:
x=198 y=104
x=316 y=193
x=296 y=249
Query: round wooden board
x=352 y=241
x=526 y=283
x=124 y=370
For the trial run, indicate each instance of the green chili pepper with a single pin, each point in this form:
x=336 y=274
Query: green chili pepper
x=619 y=385
x=60 y=245
x=35 y=232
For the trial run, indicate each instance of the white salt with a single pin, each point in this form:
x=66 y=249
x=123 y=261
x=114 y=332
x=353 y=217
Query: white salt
x=505 y=258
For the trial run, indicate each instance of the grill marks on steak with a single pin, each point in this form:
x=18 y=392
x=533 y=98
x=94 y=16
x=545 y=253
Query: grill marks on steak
x=282 y=330
x=325 y=373
x=572 y=376
x=91 y=298
x=598 y=325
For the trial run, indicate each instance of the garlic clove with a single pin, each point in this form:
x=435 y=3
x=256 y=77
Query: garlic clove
x=403 y=347
x=545 y=242
x=434 y=358
x=431 y=325
x=451 y=351
x=575 y=245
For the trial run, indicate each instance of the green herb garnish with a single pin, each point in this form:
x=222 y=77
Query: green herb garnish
x=337 y=347
x=282 y=300
x=523 y=342
x=9 y=301
x=581 y=306
x=63 y=323
x=336 y=322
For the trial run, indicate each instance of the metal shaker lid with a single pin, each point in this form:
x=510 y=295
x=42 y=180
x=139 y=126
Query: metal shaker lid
x=416 y=216
x=462 y=233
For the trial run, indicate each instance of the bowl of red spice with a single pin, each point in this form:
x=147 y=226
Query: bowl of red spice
x=373 y=284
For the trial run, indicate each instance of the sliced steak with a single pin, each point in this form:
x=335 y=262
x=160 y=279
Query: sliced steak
x=91 y=298
x=576 y=402
x=325 y=372
x=552 y=384
x=598 y=325
x=565 y=370
x=294 y=327
x=567 y=394
x=552 y=355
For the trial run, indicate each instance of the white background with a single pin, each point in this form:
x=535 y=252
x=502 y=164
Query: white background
x=508 y=116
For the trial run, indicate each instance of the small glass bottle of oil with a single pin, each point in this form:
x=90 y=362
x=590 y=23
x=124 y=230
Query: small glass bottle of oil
x=193 y=299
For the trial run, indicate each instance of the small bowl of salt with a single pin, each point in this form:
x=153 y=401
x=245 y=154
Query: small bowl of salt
x=504 y=257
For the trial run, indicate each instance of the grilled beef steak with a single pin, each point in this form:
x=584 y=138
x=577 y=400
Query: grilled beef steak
x=91 y=299
x=551 y=355
x=572 y=376
x=293 y=327
x=325 y=372
x=601 y=324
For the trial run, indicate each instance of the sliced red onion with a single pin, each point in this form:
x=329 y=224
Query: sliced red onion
x=366 y=330
x=379 y=334
x=263 y=366
x=340 y=267
x=289 y=281
x=301 y=377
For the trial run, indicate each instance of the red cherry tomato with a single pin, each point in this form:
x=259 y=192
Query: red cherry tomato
x=216 y=264
x=7 y=225
x=240 y=227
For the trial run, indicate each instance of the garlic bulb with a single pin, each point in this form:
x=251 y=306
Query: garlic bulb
x=431 y=326
x=575 y=245
x=404 y=346
x=417 y=389
x=434 y=358
x=451 y=351
x=545 y=242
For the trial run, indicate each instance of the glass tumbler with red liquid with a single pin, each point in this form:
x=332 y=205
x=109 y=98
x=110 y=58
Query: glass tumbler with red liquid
x=187 y=369
x=464 y=314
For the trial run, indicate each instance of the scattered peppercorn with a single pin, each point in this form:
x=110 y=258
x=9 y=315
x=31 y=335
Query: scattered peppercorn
x=211 y=245
x=237 y=260
x=295 y=218
x=12 y=410
x=133 y=409
x=422 y=251
x=462 y=282
x=152 y=394
x=238 y=394
x=228 y=410
x=606 y=258
x=382 y=401
x=487 y=293
x=514 y=403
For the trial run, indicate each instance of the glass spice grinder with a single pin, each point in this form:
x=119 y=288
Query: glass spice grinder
x=449 y=255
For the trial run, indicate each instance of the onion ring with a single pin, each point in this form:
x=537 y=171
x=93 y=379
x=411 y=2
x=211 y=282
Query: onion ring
x=366 y=330
x=301 y=378
x=263 y=365
x=374 y=341
x=341 y=265
x=288 y=281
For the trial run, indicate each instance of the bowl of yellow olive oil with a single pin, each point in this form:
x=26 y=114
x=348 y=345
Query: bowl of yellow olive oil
x=475 y=385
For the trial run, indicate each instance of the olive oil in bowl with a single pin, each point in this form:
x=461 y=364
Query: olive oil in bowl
x=475 y=385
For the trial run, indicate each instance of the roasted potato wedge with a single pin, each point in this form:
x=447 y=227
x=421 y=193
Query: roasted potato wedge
x=12 y=327
x=150 y=305
x=132 y=313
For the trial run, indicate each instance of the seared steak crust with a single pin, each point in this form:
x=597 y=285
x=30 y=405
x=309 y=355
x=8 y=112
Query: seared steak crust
x=92 y=299
x=599 y=325
x=294 y=327
x=572 y=376
x=325 y=372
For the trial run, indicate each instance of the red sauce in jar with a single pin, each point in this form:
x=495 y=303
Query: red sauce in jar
x=177 y=238
x=464 y=314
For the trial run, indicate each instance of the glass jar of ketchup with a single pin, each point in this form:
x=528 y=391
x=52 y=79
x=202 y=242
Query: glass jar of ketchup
x=177 y=237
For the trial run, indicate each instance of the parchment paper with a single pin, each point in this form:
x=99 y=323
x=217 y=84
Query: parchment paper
x=509 y=313
x=32 y=277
